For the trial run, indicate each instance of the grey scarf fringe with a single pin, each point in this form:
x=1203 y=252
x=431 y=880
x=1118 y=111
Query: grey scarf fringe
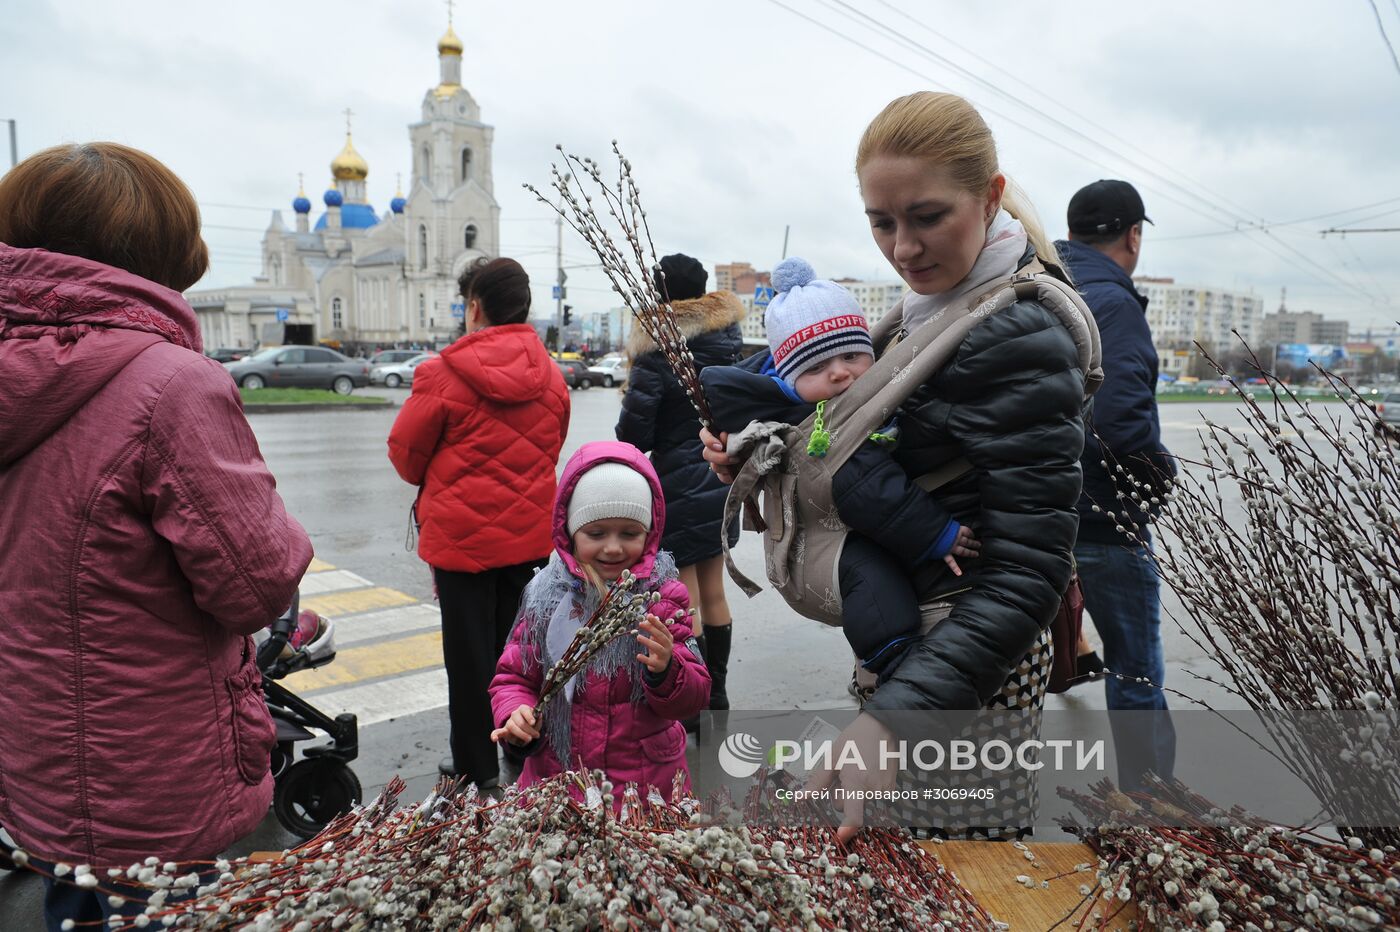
x=551 y=586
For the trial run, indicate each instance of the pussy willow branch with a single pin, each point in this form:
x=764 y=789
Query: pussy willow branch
x=617 y=614
x=631 y=270
x=1187 y=863
x=541 y=858
x=1299 y=602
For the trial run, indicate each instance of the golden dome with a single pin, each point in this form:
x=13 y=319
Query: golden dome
x=349 y=165
x=449 y=44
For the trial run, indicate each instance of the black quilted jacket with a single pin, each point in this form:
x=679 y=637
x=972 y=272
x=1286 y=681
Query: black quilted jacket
x=1011 y=402
x=657 y=418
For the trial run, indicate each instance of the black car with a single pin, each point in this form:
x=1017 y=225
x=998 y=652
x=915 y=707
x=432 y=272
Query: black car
x=576 y=374
x=227 y=354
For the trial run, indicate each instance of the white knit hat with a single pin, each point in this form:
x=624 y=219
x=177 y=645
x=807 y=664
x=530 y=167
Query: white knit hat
x=810 y=320
x=609 y=490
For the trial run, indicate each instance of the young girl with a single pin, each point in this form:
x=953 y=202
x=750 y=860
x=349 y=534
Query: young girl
x=622 y=713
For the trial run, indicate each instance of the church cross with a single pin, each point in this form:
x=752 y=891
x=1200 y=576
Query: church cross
x=348 y=114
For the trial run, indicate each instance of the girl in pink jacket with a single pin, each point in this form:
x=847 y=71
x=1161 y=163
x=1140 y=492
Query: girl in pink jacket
x=622 y=714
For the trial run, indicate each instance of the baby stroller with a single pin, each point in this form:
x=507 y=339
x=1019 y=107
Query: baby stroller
x=312 y=791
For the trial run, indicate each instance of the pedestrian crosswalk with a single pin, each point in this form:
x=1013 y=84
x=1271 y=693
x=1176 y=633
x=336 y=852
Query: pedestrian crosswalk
x=389 y=660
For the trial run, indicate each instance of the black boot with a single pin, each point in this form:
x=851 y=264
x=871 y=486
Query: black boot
x=717 y=662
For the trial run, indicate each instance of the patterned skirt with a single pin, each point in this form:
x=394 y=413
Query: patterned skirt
x=1011 y=812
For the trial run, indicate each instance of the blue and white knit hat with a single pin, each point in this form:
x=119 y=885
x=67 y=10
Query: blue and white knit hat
x=811 y=319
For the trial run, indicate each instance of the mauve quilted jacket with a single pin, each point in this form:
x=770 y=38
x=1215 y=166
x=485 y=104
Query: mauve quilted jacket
x=143 y=541
x=480 y=436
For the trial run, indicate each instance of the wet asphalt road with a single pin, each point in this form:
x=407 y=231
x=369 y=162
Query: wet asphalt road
x=333 y=472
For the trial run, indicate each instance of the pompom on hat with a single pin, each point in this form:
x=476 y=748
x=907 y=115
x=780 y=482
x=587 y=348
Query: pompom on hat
x=609 y=490
x=810 y=320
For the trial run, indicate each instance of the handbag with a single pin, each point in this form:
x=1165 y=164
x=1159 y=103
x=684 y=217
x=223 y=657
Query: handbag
x=1065 y=628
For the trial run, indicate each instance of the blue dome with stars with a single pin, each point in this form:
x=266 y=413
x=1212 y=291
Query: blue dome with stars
x=301 y=205
x=333 y=198
x=352 y=217
x=397 y=204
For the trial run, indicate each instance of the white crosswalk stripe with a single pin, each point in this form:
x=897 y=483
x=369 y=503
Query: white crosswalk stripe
x=386 y=699
x=352 y=629
x=331 y=581
x=402 y=667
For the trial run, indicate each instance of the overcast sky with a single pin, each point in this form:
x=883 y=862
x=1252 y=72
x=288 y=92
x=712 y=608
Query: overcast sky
x=741 y=117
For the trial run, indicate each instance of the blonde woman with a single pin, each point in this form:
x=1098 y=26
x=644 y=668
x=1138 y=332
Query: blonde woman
x=949 y=222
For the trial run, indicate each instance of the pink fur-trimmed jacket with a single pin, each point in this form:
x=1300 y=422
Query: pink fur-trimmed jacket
x=631 y=741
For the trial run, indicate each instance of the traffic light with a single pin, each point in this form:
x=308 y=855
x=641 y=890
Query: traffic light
x=568 y=314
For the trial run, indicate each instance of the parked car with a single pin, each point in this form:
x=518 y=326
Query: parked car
x=400 y=373
x=300 y=367
x=227 y=354
x=1389 y=410
x=582 y=377
x=387 y=356
x=570 y=376
x=610 y=370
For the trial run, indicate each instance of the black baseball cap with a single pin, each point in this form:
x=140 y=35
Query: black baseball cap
x=1105 y=207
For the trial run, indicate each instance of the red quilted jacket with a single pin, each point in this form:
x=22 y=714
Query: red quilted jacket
x=481 y=435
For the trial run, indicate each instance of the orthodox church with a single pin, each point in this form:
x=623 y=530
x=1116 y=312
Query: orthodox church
x=356 y=277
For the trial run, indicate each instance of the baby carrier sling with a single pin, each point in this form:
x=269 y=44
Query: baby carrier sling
x=802 y=533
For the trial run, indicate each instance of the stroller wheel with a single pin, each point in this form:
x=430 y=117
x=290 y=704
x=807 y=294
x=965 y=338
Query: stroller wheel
x=312 y=793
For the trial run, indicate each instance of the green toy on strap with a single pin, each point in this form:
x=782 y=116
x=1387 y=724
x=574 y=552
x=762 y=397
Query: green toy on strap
x=820 y=440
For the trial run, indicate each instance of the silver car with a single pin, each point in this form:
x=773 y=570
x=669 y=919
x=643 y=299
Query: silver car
x=400 y=373
x=300 y=367
x=1389 y=410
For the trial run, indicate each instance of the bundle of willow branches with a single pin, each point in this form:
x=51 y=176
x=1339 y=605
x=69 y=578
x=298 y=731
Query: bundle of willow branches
x=617 y=614
x=1190 y=865
x=632 y=267
x=1296 y=595
x=542 y=858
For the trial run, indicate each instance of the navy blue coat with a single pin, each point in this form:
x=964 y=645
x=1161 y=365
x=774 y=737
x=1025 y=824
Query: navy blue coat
x=873 y=495
x=658 y=419
x=1124 y=413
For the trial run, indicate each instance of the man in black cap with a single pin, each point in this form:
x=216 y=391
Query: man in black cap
x=1120 y=585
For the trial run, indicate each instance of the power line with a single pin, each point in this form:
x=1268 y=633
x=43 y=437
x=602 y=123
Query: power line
x=1366 y=270
x=1385 y=38
x=1103 y=130
x=235 y=206
x=1244 y=226
x=1210 y=203
x=220 y=226
x=1291 y=223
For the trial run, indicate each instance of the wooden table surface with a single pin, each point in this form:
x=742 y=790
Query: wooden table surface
x=989 y=869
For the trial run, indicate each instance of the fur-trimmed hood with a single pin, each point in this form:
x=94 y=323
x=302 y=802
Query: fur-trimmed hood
x=694 y=316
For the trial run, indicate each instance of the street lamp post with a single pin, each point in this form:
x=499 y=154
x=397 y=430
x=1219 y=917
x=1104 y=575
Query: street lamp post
x=14 y=144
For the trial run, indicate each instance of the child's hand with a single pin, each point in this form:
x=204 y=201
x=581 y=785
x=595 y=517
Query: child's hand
x=656 y=638
x=520 y=728
x=964 y=545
